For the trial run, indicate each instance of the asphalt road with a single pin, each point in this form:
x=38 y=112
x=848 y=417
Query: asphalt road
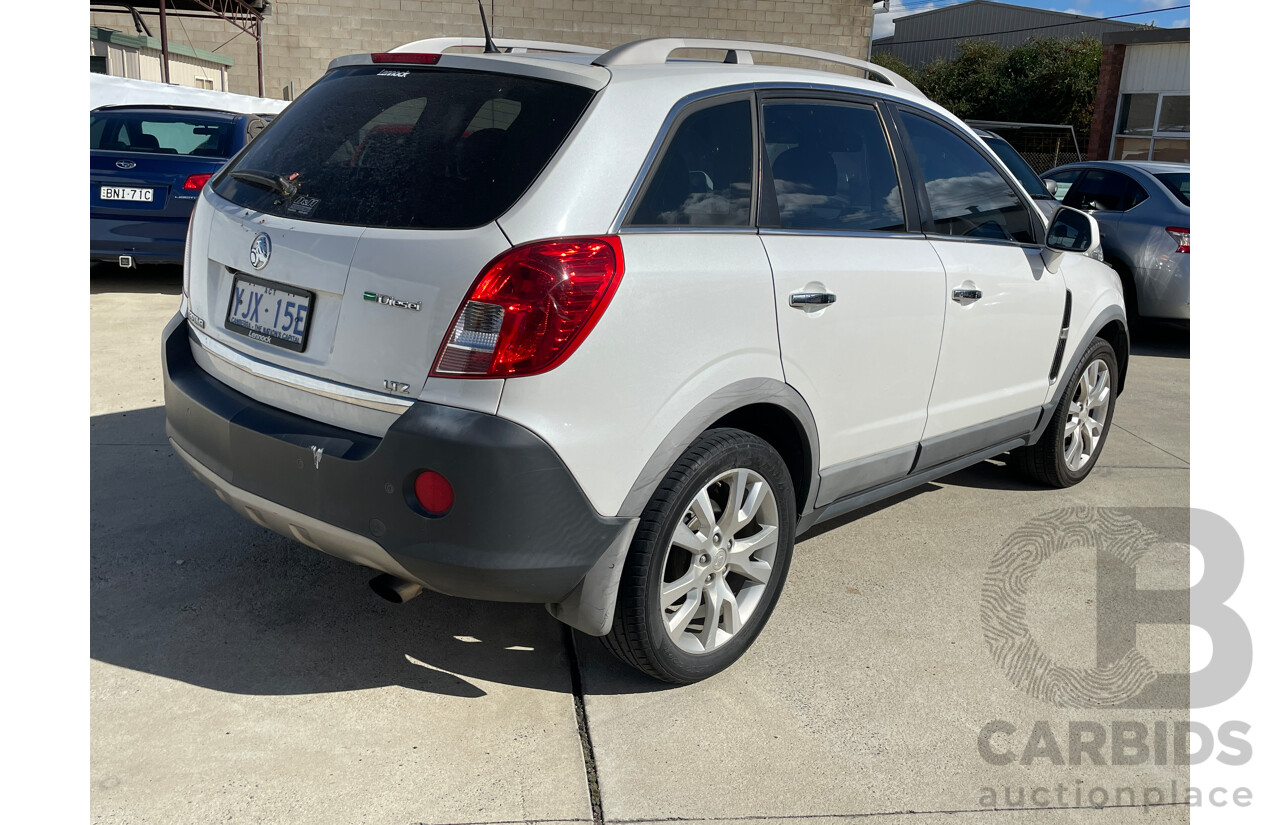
x=238 y=676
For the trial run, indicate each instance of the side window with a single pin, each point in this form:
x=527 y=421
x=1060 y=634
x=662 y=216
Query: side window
x=1102 y=190
x=704 y=176
x=967 y=196
x=1065 y=179
x=832 y=168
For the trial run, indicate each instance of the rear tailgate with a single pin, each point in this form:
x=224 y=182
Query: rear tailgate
x=376 y=194
x=381 y=299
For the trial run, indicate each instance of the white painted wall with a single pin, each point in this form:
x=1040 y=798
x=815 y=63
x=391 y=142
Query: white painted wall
x=1156 y=67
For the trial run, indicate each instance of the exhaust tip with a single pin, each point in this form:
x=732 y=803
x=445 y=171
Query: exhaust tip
x=126 y=262
x=394 y=589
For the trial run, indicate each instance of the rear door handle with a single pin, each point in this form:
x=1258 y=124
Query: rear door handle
x=808 y=299
x=965 y=294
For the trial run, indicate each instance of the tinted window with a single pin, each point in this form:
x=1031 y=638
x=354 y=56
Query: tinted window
x=1018 y=166
x=704 y=177
x=161 y=133
x=1064 y=180
x=967 y=196
x=1179 y=183
x=1106 y=191
x=1137 y=114
x=412 y=148
x=832 y=168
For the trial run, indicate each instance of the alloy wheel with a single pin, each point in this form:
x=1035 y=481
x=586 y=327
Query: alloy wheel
x=1087 y=416
x=719 y=561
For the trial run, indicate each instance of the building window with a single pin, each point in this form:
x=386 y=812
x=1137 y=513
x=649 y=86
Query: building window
x=1152 y=126
x=98 y=64
x=204 y=83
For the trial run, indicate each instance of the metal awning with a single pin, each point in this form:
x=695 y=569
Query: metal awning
x=245 y=15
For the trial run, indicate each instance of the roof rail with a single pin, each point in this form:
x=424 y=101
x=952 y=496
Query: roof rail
x=659 y=49
x=438 y=45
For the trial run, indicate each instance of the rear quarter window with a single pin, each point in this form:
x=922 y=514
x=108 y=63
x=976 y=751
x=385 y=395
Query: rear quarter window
x=408 y=148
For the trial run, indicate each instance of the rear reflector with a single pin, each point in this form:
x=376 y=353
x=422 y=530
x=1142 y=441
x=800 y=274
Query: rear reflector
x=406 y=57
x=196 y=181
x=1181 y=236
x=531 y=307
x=433 y=492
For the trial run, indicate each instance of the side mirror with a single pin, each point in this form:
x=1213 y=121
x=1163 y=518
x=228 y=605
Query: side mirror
x=1070 y=231
x=1051 y=185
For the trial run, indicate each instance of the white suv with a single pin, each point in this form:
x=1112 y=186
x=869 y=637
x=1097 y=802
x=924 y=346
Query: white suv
x=607 y=331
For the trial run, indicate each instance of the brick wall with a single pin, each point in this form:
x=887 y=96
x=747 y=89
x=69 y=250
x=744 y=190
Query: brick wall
x=301 y=38
x=1105 y=102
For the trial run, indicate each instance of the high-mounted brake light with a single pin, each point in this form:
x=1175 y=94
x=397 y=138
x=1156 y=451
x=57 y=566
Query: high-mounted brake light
x=531 y=307
x=196 y=181
x=406 y=57
x=1181 y=236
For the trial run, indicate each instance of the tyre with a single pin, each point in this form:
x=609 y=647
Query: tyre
x=1072 y=442
x=708 y=560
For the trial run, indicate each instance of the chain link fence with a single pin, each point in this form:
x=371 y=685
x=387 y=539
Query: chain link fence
x=1044 y=145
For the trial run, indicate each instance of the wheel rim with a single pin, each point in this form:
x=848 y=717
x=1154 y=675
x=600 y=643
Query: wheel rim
x=719 y=562
x=1087 y=416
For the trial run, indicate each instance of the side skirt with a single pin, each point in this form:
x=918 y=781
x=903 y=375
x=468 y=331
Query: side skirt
x=859 y=500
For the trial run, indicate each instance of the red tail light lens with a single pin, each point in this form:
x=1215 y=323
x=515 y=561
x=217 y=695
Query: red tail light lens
x=406 y=57
x=1181 y=236
x=531 y=307
x=196 y=181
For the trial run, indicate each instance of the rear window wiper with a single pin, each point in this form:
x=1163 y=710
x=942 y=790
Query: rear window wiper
x=267 y=180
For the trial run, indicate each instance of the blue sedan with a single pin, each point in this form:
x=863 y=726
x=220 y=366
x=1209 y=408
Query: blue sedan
x=147 y=166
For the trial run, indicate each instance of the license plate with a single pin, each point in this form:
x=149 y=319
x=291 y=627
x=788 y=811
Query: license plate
x=270 y=312
x=126 y=193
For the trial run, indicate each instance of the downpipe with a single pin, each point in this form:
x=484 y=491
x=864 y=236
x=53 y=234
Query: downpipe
x=394 y=589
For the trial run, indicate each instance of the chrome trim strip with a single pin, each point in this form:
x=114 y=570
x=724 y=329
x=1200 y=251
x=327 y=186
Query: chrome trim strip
x=704 y=230
x=845 y=233
x=297 y=381
x=934 y=236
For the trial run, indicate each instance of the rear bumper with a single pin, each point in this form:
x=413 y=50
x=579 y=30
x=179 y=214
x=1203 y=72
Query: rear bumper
x=520 y=528
x=150 y=240
x=1164 y=287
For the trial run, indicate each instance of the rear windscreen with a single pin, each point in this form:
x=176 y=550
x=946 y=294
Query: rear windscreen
x=1179 y=183
x=408 y=148
x=178 y=133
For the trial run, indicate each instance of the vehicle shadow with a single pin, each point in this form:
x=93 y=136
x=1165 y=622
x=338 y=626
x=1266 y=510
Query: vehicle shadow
x=1161 y=339
x=156 y=279
x=182 y=587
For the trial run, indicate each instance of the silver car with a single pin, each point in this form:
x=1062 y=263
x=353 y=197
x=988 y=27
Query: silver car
x=1144 y=211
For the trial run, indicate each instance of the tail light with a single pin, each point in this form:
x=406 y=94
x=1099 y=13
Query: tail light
x=531 y=307
x=196 y=181
x=1181 y=236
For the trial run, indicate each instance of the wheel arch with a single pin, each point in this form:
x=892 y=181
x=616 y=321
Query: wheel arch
x=780 y=429
x=1115 y=334
x=764 y=407
x=1110 y=325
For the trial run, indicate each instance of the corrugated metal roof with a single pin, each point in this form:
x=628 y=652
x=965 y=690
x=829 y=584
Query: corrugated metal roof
x=919 y=39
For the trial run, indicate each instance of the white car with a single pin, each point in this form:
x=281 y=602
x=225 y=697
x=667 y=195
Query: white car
x=607 y=331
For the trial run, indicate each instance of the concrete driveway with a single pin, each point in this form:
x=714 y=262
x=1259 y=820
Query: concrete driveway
x=238 y=676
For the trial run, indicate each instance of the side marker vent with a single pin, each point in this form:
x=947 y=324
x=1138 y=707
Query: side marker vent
x=1062 y=340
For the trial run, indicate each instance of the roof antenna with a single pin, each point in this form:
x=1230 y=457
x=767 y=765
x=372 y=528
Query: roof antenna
x=489 y=47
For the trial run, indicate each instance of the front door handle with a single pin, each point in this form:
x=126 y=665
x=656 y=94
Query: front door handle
x=960 y=294
x=808 y=299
